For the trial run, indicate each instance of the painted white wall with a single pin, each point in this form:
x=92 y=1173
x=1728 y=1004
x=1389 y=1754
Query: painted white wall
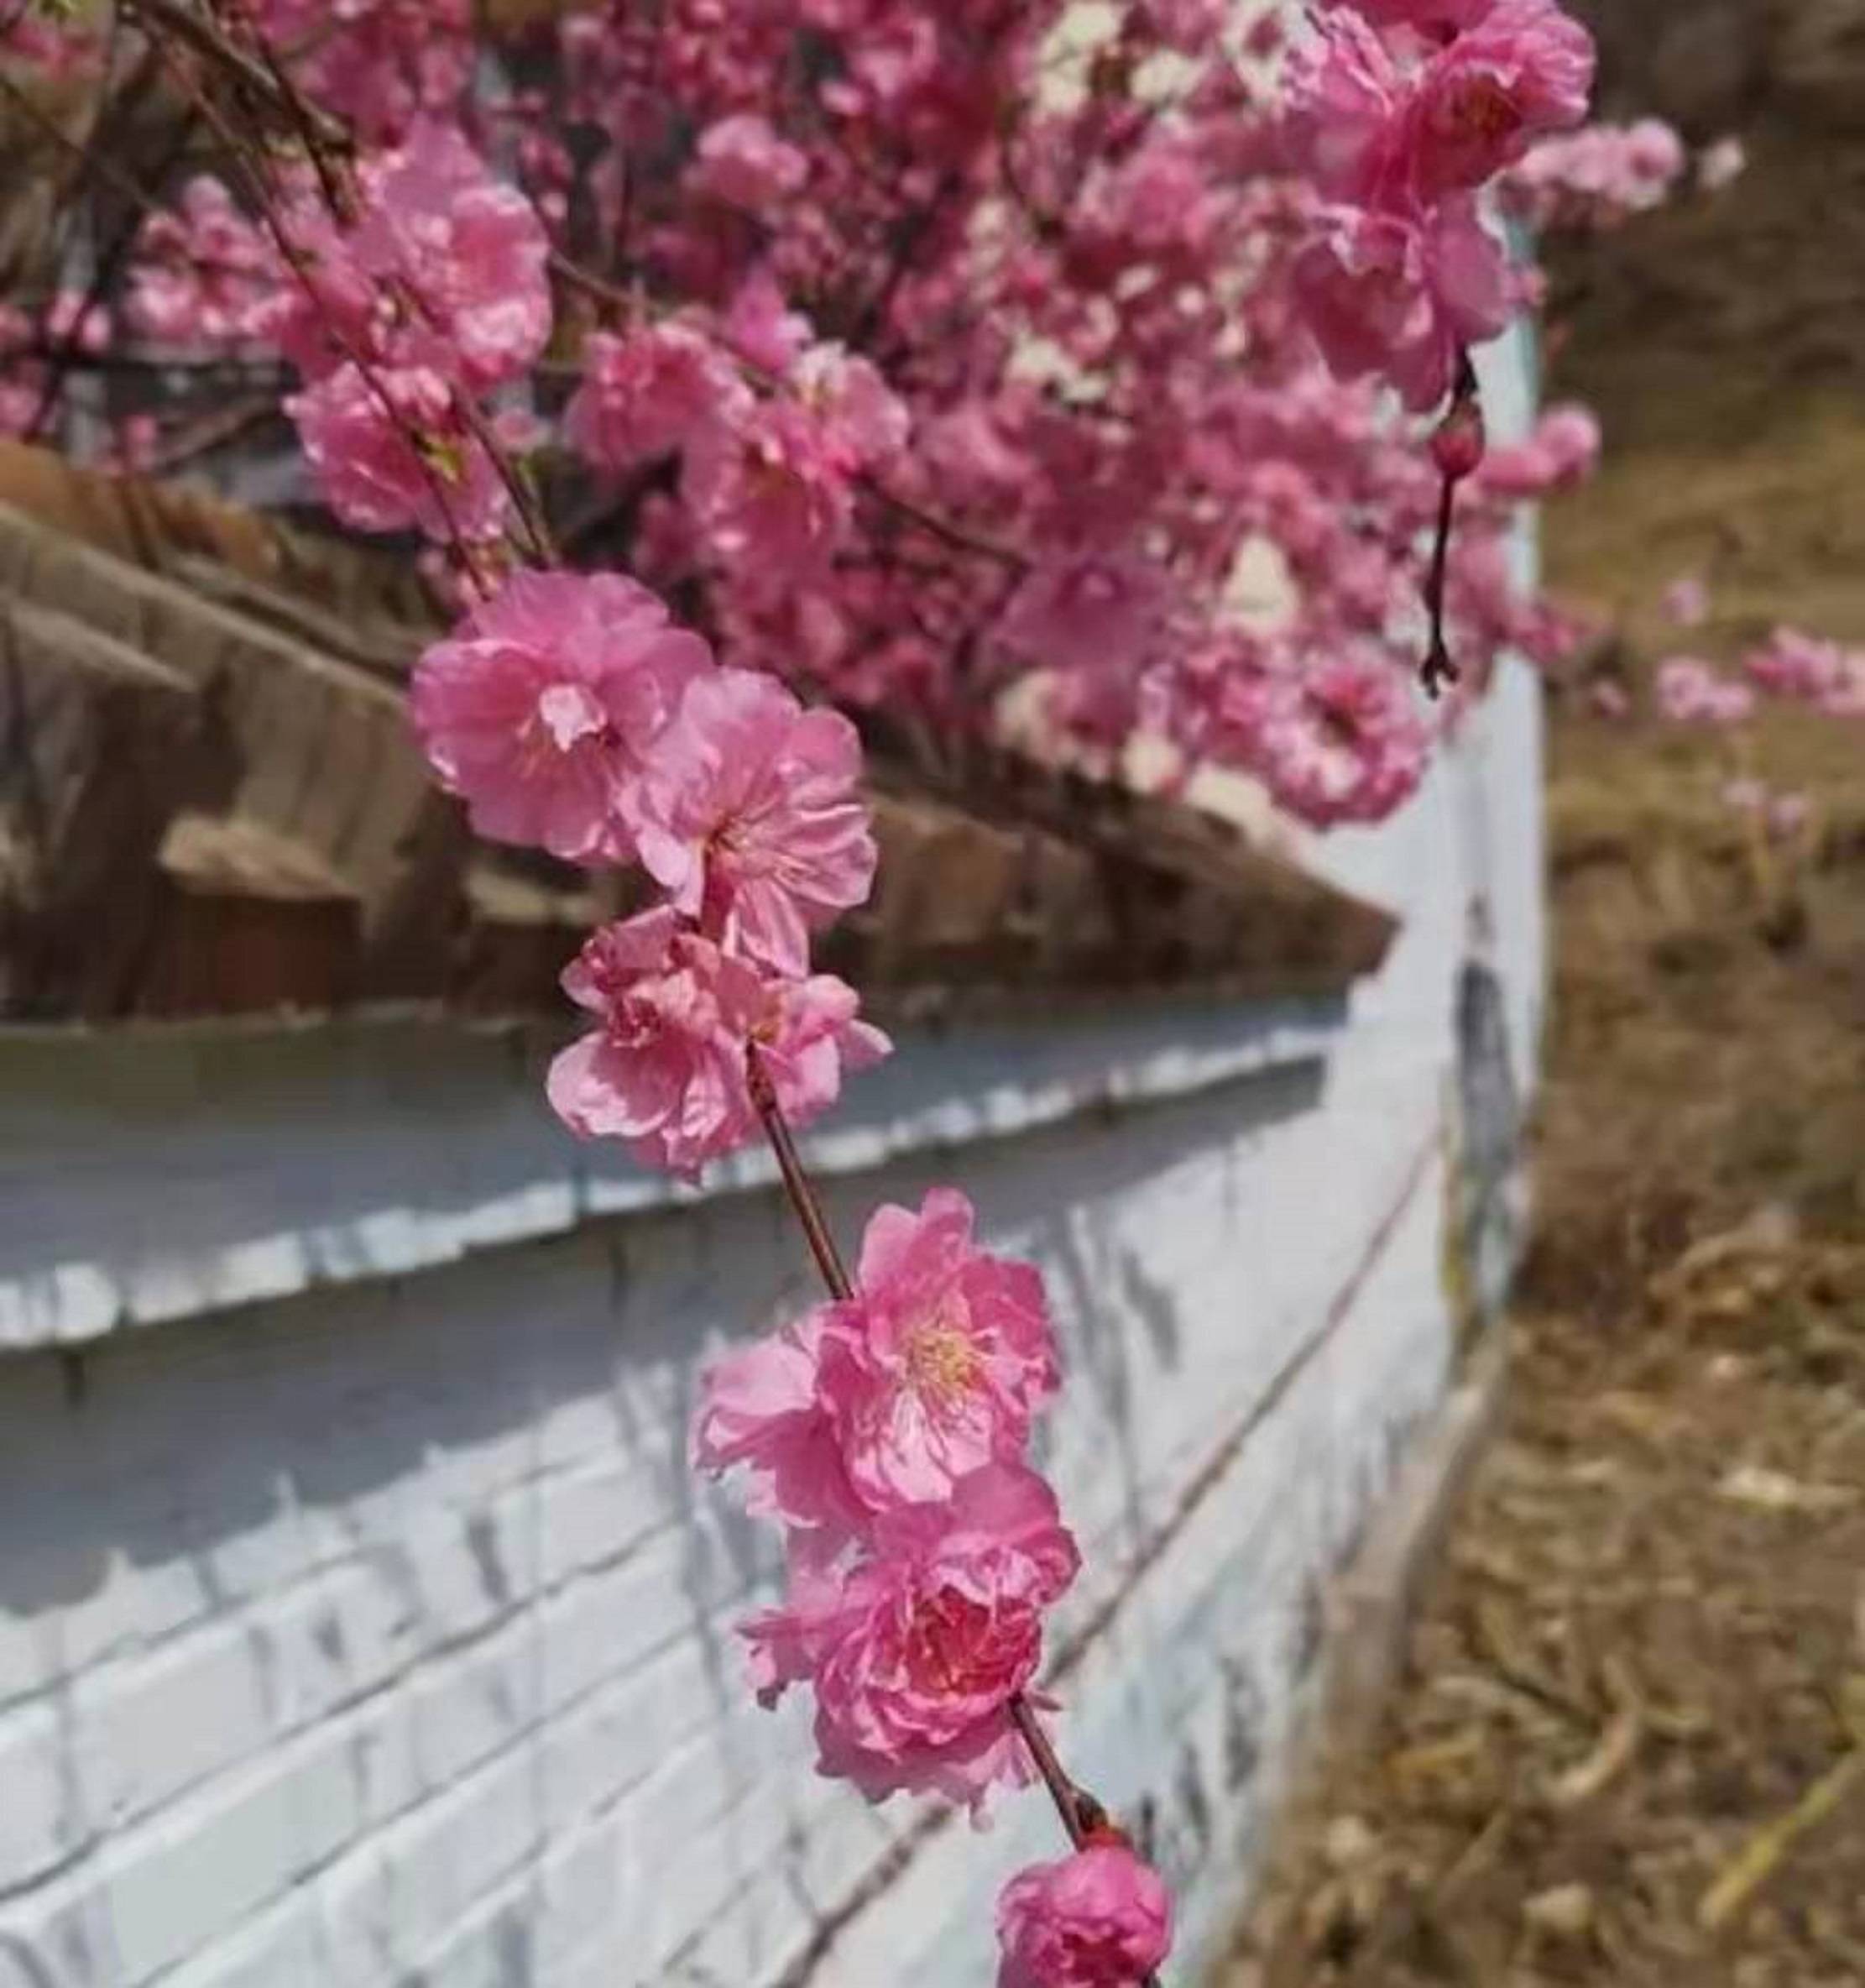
x=360 y=1624
x=379 y=1632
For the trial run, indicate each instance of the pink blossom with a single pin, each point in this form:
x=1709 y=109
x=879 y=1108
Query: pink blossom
x=203 y=273
x=859 y=412
x=1692 y=692
x=743 y=162
x=1104 y=610
x=751 y=819
x=372 y=472
x=472 y=250
x=1811 y=671
x=772 y=488
x=1383 y=295
x=79 y=320
x=22 y=394
x=939 y=1363
x=541 y=709
x=1523 y=72
x=1099 y=1919
x=1343 y=90
x=1596 y=177
x=915 y=1651
x=1440 y=16
x=1342 y=741
x=380 y=64
x=934 y=1369
x=328 y=307
x=666 y=1071
x=1564 y=450
x=761 y=328
x=761 y=1408
x=647 y=394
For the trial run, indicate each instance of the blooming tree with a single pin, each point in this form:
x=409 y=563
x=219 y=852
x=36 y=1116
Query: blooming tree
x=743 y=366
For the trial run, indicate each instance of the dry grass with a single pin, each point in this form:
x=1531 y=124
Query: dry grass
x=1630 y=1747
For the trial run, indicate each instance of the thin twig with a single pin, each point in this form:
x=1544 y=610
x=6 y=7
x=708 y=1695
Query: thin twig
x=261 y=195
x=798 y=1184
x=206 y=37
x=1439 y=668
x=1080 y=1813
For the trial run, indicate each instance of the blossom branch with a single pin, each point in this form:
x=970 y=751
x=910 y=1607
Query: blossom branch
x=804 y=1200
x=1457 y=448
x=1082 y=1816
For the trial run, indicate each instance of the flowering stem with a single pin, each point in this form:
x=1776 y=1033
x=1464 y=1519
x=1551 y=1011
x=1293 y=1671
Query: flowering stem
x=798 y=1184
x=1458 y=448
x=1081 y=1814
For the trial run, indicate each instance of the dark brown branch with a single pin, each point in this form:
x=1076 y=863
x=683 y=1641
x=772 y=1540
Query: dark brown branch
x=1457 y=447
x=798 y=1184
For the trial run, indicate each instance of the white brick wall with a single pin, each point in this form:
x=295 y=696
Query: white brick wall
x=379 y=1633
x=360 y=1622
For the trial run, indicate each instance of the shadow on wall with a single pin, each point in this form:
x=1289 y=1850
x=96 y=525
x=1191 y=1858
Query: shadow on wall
x=338 y=1487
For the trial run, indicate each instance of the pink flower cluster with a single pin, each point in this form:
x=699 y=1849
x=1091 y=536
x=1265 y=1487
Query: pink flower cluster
x=907 y=374
x=1398 y=130
x=769 y=480
x=887 y=1433
x=1602 y=177
x=1809 y=670
x=1693 y=691
x=1100 y=1919
x=399 y=315
x=570 y=714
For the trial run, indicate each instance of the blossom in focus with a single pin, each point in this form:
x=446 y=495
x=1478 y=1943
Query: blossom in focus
x=751 y=820
x=760 y=1410
x=939 y=1363
x=541 y=709
x=1099 y=1919
x=934 y=1369
x=666 y=1068
x=915 y=1651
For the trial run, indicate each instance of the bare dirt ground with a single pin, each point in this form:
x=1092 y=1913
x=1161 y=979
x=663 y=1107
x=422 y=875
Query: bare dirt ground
x=1630 y=1745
